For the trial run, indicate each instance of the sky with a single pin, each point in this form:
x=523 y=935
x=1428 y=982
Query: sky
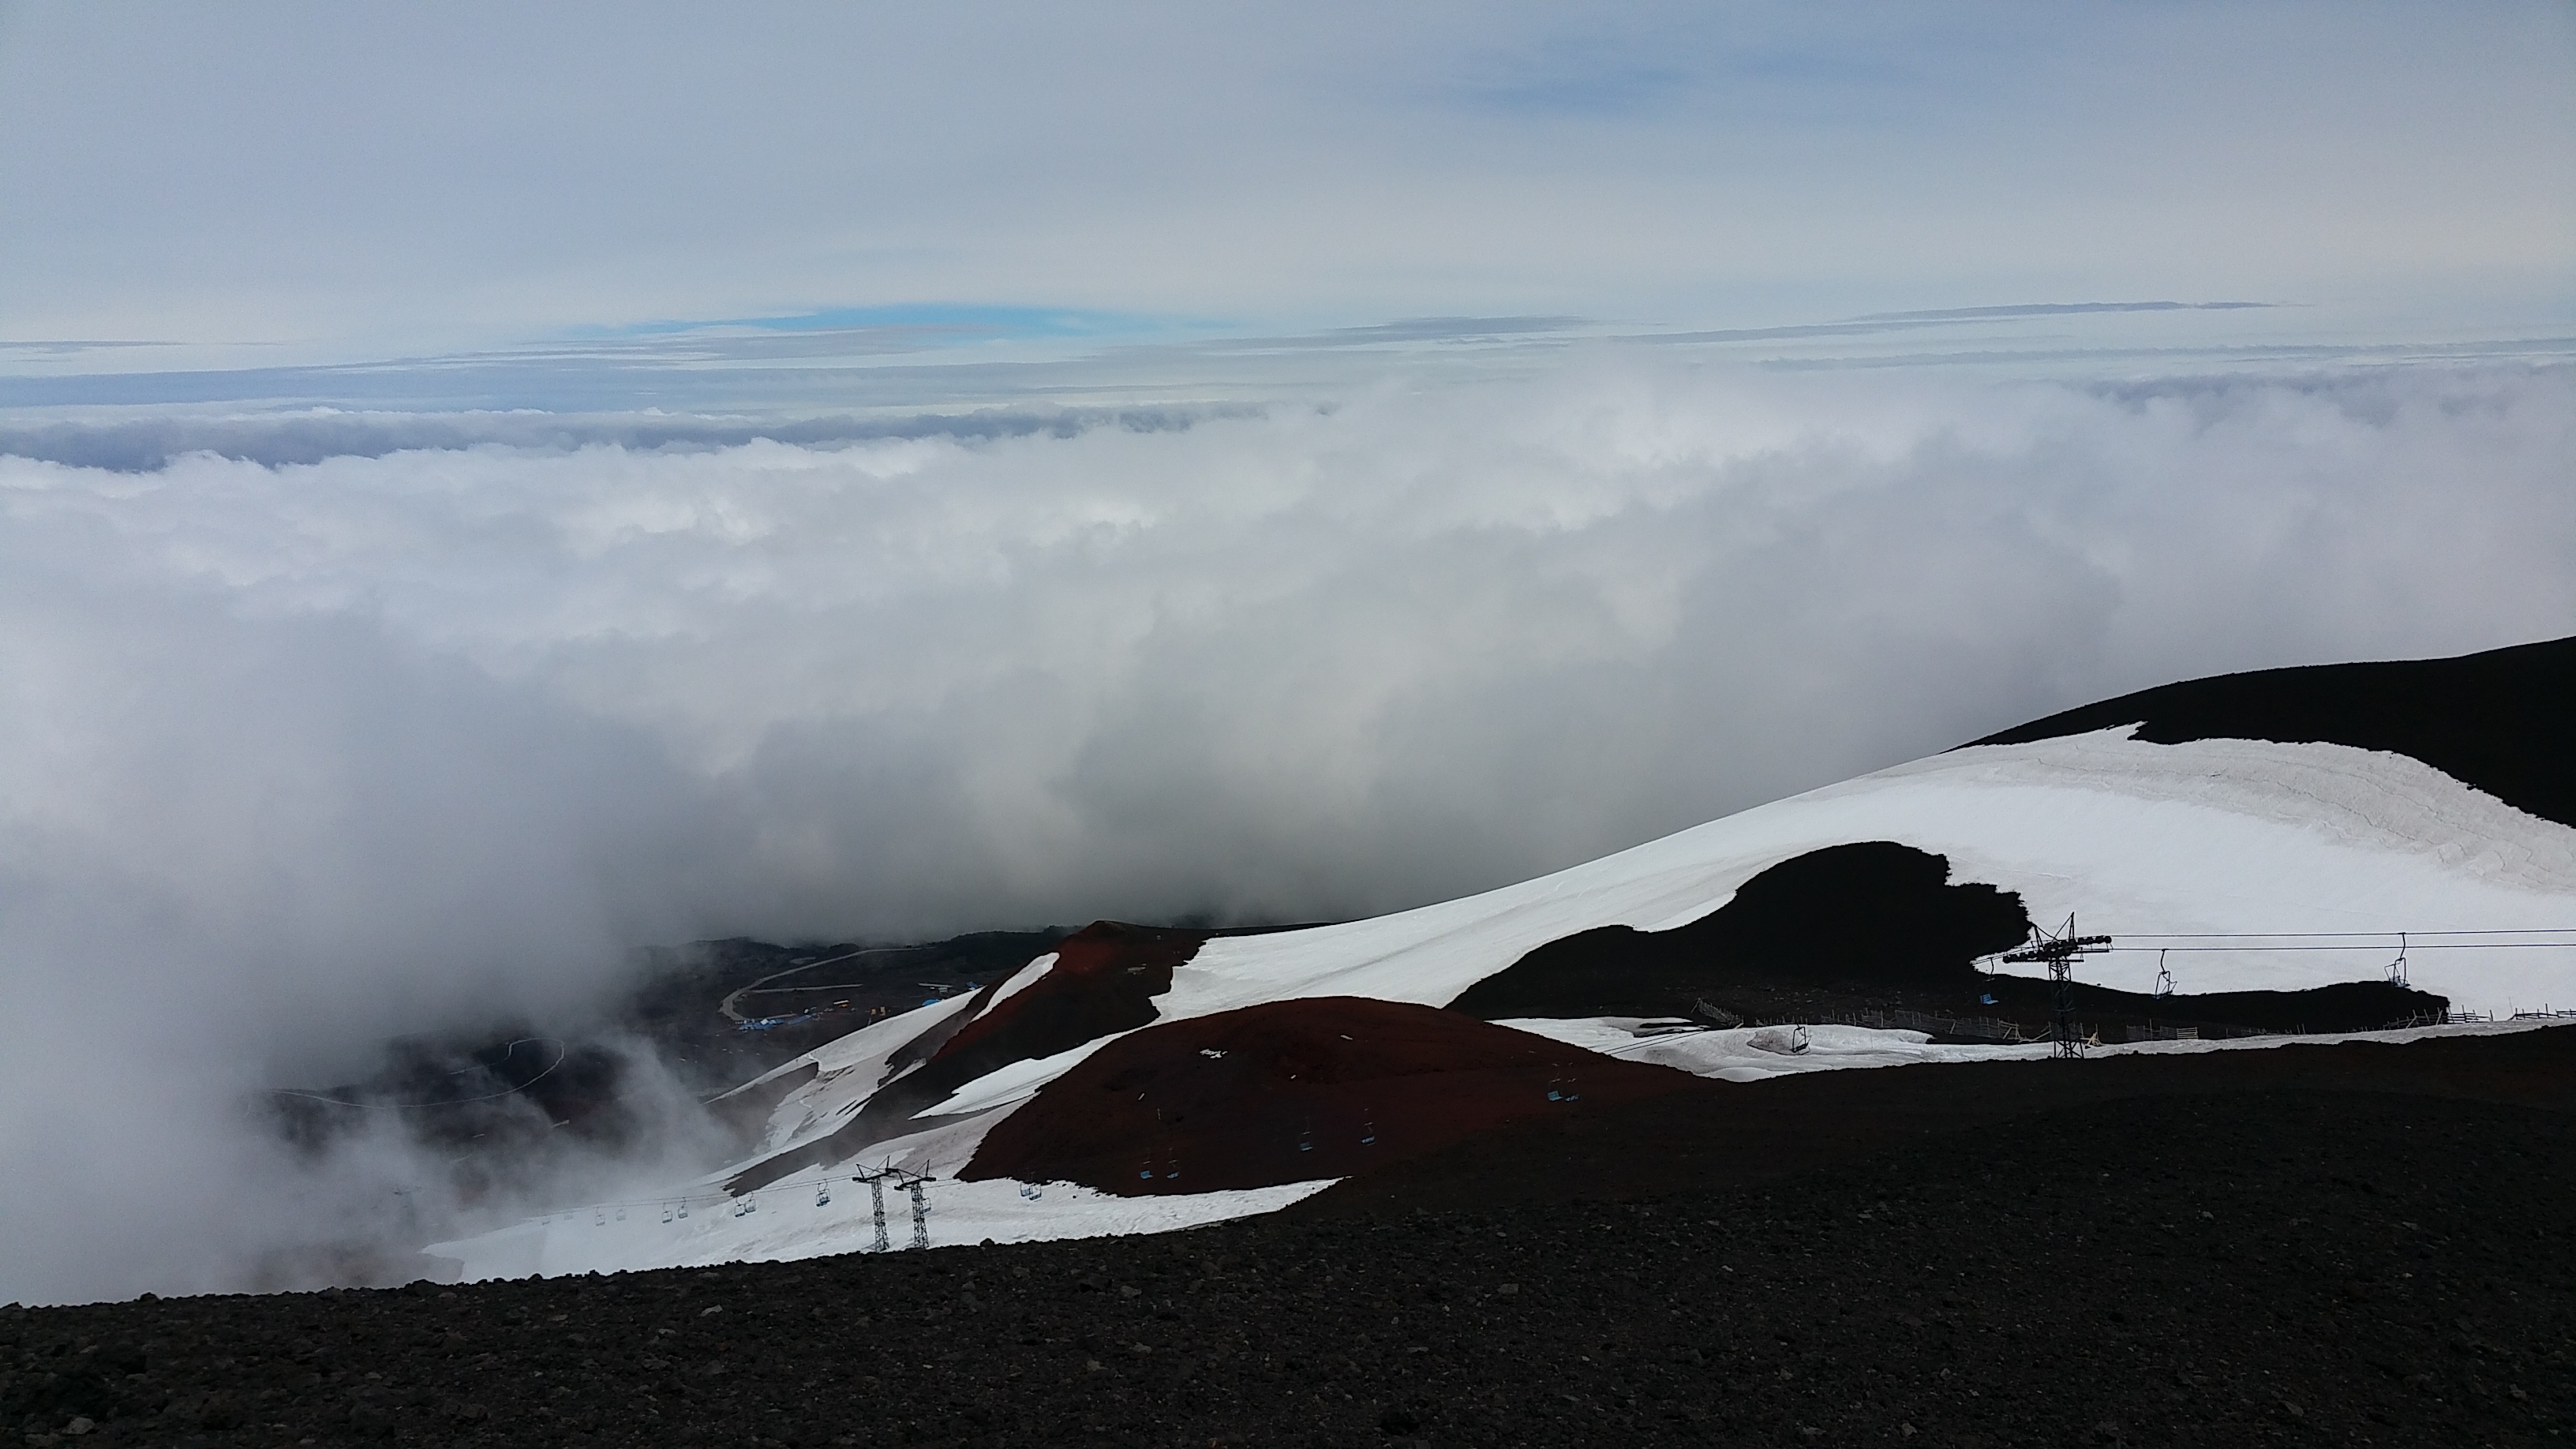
x=285 y=184
x=486 y=489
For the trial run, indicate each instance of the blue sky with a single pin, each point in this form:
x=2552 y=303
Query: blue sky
x=286 y=186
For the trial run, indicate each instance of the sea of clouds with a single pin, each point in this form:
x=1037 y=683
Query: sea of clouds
x=305 y=744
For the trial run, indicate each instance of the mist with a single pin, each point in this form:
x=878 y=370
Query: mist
x=304 y=749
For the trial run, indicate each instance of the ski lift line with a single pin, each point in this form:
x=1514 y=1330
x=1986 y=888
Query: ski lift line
x=561 y=1052
x=2342 y=935
x=2381 y=946
x=745 y=1204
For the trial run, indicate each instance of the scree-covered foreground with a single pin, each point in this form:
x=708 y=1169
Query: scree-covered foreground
x=2251 y=1266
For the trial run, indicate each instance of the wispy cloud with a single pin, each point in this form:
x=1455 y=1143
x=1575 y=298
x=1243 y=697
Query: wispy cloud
x=912 y=358
x=2058 y=309
x=71 y=347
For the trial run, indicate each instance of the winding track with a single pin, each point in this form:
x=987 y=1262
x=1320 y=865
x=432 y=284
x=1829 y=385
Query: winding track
x=731 y=1007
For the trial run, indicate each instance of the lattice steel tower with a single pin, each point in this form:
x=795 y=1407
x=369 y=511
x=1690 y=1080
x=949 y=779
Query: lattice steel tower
x=2060 y=951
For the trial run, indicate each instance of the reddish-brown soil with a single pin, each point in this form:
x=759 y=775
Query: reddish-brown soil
x=1104 y=979
x=1291 y=1091
x=1756 y=1131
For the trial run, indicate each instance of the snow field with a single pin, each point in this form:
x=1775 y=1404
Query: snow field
x=2136 y=839
x=1753 y=1054
x=789 y=1223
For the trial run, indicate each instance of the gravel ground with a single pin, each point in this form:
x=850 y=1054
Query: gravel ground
x=2253 y=1266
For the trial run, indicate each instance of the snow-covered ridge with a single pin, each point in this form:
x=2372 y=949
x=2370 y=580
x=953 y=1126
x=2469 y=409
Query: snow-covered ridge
x=2208 y=836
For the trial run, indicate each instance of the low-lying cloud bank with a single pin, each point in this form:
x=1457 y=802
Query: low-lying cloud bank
x=297 y=755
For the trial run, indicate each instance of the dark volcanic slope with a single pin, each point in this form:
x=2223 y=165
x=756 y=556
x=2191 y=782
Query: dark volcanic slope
x=1760 y=1130
x=1860 y=926
x=2343 y=1006
x=2497 y=720
x=1291 y=1091
x=1873 y=913
x=2259 y=1266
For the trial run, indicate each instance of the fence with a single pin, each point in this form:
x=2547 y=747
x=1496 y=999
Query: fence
x=675 y=1209
x=1982 y=1028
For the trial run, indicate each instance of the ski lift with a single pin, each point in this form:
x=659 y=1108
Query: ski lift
x=598 y=1219
x=684 y=1210
x=1147 y=1172
x=621 y=1215
x=2397 y=968
x=666 y=1212
x=1368 y=1133
x=2164 y=977
x=1799 y=1041
x=822 y=1195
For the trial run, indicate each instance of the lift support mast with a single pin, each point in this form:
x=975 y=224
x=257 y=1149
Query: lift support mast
x=2060 y=952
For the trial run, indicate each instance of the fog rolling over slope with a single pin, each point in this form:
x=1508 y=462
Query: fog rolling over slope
x=297 y=756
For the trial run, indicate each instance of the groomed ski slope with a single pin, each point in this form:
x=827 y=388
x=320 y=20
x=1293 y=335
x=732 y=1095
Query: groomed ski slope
x=2220 y=836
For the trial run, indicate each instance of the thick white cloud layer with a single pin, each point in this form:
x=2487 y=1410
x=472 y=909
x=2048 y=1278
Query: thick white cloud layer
x=296 y=756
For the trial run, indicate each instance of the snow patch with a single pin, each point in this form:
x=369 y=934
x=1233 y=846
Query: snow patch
x=1015 y=1083
x=817 y=1215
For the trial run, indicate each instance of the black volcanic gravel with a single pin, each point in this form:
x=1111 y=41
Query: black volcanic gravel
x=2496 y=720
x=2266 y=1267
